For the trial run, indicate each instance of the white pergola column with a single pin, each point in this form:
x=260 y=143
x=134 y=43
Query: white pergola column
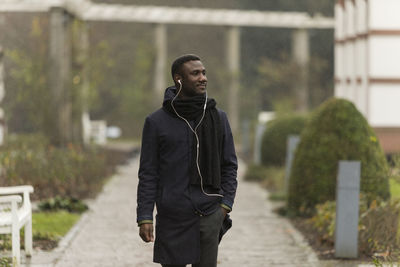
x=233 y=63
x=2 y=93
x=350 y=52
x=161 y=61
x=301 y=55
x=84 y=128
x=340 y=65
x=60 y=73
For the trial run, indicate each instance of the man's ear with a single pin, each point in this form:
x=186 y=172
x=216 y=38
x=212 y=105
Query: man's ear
x=177 y=78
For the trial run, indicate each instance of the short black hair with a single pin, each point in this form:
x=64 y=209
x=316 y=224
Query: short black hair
x=177 y=64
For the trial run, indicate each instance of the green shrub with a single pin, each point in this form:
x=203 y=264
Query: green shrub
x=255 y=173
x=324 y=221
x=273 y=148
x=336 y=131
x=63 y=203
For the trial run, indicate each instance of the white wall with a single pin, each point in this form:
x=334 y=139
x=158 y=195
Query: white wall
x=367 y=58
x=384 y=56
x=384 y=14
x=384 y=105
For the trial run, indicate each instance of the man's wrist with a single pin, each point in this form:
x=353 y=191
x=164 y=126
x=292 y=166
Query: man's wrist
x=144 y=222
x=227 y=208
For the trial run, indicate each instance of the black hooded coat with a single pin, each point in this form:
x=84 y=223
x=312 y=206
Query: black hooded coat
x=164 y=180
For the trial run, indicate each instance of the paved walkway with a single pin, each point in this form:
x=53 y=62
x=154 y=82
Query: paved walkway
x=259 y=237
x=107 y=235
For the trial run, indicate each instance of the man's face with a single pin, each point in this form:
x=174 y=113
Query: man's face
x=194 y=80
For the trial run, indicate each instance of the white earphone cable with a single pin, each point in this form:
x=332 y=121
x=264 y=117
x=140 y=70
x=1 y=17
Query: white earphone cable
x=197 y=138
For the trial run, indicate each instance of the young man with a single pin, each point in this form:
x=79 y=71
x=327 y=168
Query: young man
x=188 y=169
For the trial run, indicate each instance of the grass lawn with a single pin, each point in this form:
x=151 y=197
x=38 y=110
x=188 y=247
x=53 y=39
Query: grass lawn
x=394 y=189
x=395 y=192
x=52 y=225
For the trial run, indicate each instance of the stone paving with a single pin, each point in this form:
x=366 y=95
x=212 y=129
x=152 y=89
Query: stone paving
x=107 y=234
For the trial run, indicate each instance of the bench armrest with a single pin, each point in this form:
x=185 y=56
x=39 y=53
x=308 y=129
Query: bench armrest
x=10 y=190
x=22 y=189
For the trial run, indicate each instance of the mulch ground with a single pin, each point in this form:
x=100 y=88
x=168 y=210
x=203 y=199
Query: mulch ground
x=45 y=244
x=323 y=248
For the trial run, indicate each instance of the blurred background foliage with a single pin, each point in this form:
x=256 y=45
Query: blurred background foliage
x=120 y=90
x=122 y=57
x=27 y=94
x=120 y=85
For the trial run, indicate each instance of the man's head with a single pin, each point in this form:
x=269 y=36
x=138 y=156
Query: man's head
x=190 y=72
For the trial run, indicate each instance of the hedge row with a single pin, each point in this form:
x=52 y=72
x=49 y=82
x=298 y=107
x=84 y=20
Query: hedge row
x=71 y=171
x=273 y=150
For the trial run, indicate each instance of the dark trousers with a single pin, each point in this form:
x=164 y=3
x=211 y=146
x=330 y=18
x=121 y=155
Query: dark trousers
x=209 y=238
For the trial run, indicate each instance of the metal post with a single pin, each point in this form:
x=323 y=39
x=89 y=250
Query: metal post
x=347 y=208
x=161 y=61
x=260 y=129
x=263 y=118
x=2 y=93
x=59 y=74
x=301 y=55
x=233 y=62
x=292 y=142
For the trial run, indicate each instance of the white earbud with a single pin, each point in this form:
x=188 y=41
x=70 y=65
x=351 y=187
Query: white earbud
x=205 y=102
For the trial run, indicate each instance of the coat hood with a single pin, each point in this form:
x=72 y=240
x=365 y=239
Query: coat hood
x=169 y=93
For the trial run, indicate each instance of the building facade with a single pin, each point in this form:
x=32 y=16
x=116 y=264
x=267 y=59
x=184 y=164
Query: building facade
x=367 y=63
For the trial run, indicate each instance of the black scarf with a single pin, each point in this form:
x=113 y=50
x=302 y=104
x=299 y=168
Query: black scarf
x=210 y=137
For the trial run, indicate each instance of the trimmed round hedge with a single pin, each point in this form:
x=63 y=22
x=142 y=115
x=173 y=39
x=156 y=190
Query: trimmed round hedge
x=273 y=146
x=336 y=131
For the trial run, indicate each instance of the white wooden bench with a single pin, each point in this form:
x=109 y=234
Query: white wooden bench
x=14 y=216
